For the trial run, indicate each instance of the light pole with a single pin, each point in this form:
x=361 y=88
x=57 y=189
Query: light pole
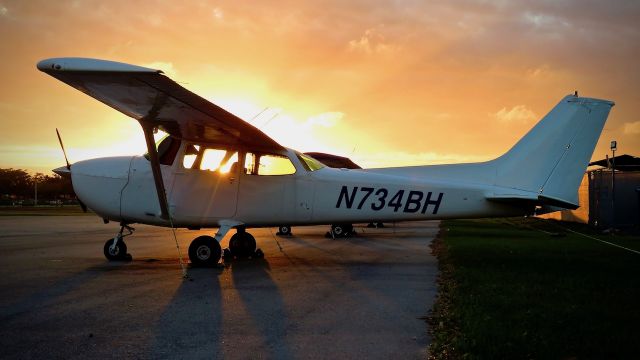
x=614 y=146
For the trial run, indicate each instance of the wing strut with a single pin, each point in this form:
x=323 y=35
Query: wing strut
x=155 y=168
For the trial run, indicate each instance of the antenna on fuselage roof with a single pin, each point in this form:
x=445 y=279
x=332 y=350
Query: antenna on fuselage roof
x=266 y=122
x=260 y=113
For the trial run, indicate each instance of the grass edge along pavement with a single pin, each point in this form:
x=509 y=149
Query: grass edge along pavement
x=528 y=288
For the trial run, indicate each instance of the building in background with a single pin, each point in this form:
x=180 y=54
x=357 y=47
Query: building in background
x=595 y=195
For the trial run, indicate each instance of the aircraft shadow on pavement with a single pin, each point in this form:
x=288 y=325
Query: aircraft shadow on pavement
x=191 y=324
x=263 y=301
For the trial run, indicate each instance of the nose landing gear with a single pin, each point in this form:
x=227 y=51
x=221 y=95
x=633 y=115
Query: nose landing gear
x=115 y=249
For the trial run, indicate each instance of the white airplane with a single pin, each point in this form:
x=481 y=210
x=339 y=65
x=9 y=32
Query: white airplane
x=215 y=170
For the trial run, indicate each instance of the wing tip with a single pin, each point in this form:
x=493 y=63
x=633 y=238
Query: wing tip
x=86 y=64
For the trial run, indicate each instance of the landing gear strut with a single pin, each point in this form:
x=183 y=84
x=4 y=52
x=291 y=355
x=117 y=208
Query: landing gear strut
x=115 y=248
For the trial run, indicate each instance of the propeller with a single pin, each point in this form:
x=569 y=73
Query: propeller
x=62 y=171
x=64 y=152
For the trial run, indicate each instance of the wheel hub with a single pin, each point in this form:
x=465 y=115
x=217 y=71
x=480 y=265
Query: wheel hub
x=203 y=252
x=114 y=250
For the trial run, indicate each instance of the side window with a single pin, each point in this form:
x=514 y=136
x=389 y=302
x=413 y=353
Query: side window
x=190 y=156
x=268 y=164
x=211 y=159
x=198 y=157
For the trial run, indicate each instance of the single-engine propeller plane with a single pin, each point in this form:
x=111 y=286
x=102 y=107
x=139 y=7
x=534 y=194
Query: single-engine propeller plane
x=215 y=170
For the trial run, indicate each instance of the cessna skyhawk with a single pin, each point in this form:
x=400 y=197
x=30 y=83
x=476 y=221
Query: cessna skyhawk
x=215 y=170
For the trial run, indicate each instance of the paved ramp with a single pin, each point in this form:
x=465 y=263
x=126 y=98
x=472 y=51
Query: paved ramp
x=311 y=297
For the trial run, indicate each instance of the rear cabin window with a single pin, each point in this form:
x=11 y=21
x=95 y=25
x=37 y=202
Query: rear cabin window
x=267 y=164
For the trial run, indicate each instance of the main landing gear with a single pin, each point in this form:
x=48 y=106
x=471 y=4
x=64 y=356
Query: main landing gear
x=206 y=250
x=203 y=251
x=284 y=230
x=341 y=230
x=115 y=249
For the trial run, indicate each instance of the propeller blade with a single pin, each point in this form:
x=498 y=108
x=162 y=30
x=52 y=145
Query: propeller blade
x=61 y=171
x=64 y=152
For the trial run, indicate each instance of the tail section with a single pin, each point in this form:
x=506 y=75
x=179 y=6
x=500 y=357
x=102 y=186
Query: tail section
x=545 y=166
x=551 y=158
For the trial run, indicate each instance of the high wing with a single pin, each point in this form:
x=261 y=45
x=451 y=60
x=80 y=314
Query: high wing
x=156 y=101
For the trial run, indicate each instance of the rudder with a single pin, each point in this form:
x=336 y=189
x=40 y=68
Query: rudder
x=551 y=158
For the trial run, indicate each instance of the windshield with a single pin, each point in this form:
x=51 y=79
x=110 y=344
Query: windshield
x=309 y=163
x=167 y=147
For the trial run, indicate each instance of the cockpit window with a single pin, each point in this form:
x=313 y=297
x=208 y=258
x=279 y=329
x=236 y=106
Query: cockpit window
x=167 y=148
x=212 y=159
x=309 y=163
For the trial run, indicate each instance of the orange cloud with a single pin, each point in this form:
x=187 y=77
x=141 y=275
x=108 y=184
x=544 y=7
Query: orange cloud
x=410 y=78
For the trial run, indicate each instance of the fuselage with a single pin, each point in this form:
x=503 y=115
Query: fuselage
x=122 y=189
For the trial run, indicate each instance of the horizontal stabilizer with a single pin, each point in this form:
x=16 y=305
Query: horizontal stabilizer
x=532 y=198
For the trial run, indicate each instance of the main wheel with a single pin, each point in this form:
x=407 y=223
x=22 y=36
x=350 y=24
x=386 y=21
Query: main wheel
x=204 y=251
x=119 y=252
x=242 y=244
x=284 y=230
x=341 y=230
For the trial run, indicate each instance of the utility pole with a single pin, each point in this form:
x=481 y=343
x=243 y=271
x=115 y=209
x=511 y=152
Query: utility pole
x=614 y=146
x=35 y=201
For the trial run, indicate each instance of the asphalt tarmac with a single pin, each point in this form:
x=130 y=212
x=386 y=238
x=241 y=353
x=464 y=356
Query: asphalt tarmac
x=311 y=297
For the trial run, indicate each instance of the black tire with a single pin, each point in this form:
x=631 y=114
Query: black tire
x=242 y=244
x=341 y=230
x=204 y=251
x=284 y=230
x=118 y=253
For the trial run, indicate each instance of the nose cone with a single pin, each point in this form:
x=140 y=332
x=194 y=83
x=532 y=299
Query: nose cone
x=99 y=182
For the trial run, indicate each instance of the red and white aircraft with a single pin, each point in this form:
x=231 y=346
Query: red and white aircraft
x=215 y=170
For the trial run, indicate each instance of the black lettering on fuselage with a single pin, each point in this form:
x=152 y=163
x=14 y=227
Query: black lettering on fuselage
x=413 y=201
x=435 y=203
x=376 y=199
x=344 y=194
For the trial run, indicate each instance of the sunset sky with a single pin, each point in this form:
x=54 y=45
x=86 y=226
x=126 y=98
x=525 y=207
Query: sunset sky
x=386 y=83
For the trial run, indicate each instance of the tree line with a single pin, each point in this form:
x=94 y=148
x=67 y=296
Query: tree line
x=18 y=187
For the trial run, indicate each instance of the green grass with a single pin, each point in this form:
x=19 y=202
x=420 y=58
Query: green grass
x=67 y=210
x=510 y=290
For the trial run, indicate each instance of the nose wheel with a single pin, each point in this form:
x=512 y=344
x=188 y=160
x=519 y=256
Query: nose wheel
x=115 y=248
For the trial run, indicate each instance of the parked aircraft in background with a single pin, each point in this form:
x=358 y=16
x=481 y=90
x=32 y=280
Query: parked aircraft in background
x=214 y=170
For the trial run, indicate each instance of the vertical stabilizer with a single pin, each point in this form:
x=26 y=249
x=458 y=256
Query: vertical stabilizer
x=551 y=158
